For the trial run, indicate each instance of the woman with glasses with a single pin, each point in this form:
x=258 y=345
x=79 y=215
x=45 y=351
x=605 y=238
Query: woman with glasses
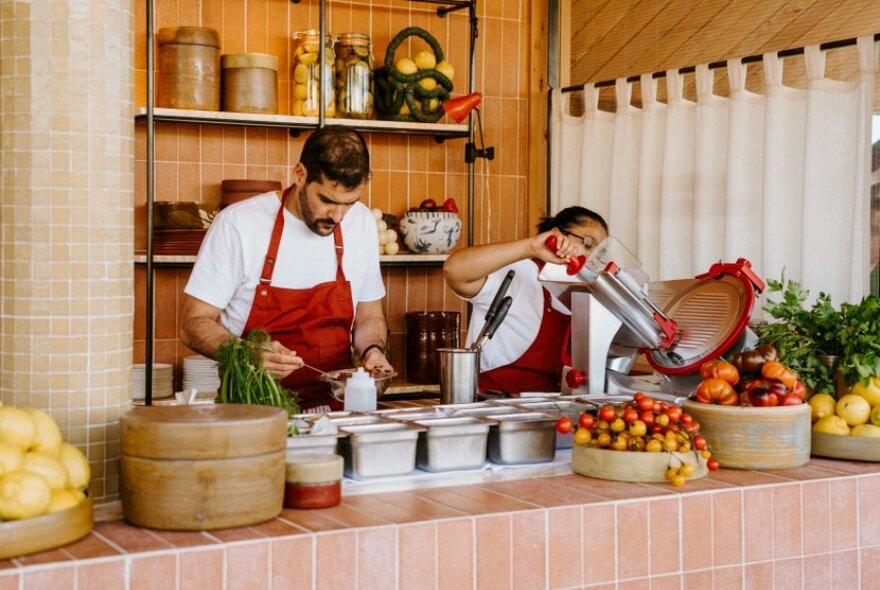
x=525 y=353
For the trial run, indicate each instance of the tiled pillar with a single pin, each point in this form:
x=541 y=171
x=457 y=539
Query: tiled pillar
x=66 y=221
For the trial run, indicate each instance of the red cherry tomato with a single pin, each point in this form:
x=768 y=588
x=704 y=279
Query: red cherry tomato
x=645 y=403
x=685 y=418
x=647 y=417
x=699 y=442
x=674 y=413
x=564 y=425
x=607 y=413
x=586 y=420
x=630 y=415
x=712 y=464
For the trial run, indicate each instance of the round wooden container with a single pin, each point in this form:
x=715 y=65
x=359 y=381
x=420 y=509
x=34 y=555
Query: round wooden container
x=238 y=189
x=202 y=467
x=189 y=68
x=855 y=448
x=41 y=533
x=250 y=83
x=631 y=466
x=743 y=437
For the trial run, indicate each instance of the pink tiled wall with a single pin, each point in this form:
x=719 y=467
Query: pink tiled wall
x=813 y=527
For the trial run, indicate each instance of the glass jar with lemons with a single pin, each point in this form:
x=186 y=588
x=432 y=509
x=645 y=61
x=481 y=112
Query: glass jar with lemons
x=308 y=72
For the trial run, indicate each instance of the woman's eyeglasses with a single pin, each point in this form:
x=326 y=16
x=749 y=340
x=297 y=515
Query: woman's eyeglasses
x=587 y=242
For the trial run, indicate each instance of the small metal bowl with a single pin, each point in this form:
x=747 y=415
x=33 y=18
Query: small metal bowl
x=337 y=380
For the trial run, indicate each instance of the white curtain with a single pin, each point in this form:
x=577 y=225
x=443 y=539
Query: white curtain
x=780 y=178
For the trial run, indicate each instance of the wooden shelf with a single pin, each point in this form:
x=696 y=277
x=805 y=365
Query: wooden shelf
x=439 y=130
x=395 y=260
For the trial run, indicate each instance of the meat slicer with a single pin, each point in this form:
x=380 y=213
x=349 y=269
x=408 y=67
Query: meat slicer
x=677 y=324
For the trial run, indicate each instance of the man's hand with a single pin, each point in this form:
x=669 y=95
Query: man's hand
x=281 y=361
x=376 y=361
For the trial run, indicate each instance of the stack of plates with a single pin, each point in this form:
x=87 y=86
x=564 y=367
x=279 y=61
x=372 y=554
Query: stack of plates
x=163 y=380
x=177 y=241
x=201 y=373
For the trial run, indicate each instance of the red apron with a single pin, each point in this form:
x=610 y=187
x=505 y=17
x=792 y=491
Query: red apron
x=314 y=322
x=540 y=366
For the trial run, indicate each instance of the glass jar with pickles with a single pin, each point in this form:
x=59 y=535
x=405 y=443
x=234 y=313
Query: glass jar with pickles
x=307 y=74
x=354 y=76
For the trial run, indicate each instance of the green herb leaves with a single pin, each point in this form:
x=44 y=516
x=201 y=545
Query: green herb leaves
x=850 y=333
x=245 y=380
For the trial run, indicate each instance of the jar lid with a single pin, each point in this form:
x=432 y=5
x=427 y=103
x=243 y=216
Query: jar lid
x=353 y=38
x=314 y=468
x=189 y=36
x=312 y=35
x=249 y=60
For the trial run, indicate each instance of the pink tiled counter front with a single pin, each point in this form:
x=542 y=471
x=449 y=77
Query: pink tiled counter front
x=813 y=527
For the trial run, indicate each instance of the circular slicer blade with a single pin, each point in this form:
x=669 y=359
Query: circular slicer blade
x=711 y=315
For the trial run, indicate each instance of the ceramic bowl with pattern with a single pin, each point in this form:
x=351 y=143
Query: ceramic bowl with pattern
x=434 y=232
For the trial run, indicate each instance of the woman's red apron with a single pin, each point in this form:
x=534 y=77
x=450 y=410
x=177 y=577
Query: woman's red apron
x=315 y=322
x=540 y=366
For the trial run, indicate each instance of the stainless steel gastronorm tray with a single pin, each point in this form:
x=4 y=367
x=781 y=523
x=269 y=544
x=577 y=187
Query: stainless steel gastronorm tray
x=383 y=449
x=449 y=444
x=523 y=437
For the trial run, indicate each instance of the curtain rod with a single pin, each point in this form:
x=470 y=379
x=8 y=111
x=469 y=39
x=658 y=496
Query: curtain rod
x=723 y=64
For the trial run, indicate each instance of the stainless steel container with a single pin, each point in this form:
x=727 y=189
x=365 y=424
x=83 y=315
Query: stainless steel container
x=523 y=437
x=449 y=444
x=459 y=375
x=379 y=450
x=306 y=443
x=489 y=412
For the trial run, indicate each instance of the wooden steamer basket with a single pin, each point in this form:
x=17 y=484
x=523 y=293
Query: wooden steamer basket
x=41 y=533
x=743 y=437
x=202 y=467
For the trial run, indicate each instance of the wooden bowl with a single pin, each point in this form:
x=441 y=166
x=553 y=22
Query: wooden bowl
x=633 y=466
x=855 y=448
x=743 y=437
x=41 y=533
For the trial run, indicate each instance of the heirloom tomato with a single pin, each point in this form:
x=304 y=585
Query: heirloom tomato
x=716 y=391
x=719 y=369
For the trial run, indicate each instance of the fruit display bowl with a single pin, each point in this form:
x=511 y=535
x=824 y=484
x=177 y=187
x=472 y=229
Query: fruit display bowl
x=744 y=437
x=642 y=467
x=430 y=232
x=854 y=448
x=41 y=533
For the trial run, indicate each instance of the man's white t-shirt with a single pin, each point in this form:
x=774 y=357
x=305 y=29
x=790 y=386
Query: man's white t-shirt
x=520 y=327
x=228 y=267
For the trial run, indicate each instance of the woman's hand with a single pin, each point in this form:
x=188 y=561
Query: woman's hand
x=281 y=361
x=565 y=247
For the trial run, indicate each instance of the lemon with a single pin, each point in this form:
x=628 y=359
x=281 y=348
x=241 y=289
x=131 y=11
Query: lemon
x=406 y=66
x=48 y=437
x=428 y=83
x=23 y=495
x=445 y=68
x=17 y=427
x=822 y=405
x=869 y=430
x=48 y=468
x=425 y=60
x=63 y=499
x=11 y=458
x=76 y=465
x=832 y=424
x=854 y=409
x=870 y=392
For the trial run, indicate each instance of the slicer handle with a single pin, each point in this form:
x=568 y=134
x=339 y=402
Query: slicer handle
x=574 y=263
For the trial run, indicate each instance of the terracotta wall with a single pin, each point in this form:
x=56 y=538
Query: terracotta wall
x=191 y=160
